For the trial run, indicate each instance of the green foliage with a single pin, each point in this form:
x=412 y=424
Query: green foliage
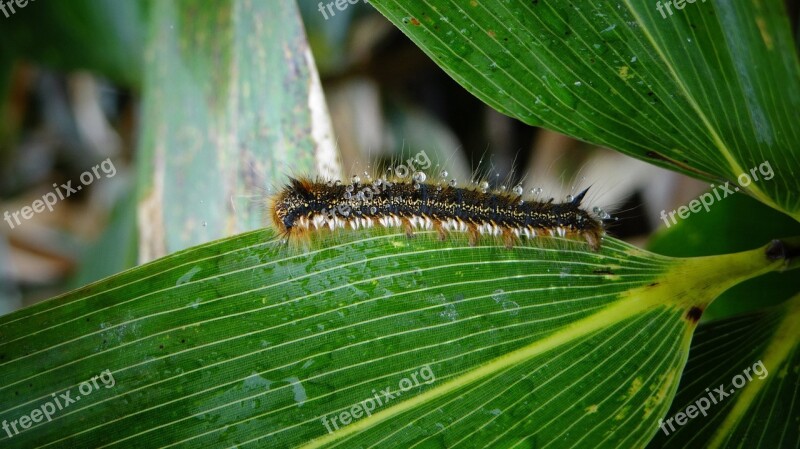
x=247 y=342
x=709 y=92
x=754 y=359
x=733 y=225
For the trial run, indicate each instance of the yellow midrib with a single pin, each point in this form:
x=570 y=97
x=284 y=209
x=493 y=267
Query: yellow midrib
x=616 y=312
x=689 y=282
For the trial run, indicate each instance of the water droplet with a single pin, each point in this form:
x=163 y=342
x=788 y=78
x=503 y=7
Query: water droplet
x=570 y=198
x=416 y=185
x=453 y=183
x=337 y=183
x=349 y=188
x=329 y=183
x=356 y=179
x=502 y=188
x=444 y=173
x=377 y=182
x=518 y=189
x=373 y=210
x=348 y=195
x=419 y=177
x=484 y=186
x=596 y=210
x=205 y=223
x=438 y=188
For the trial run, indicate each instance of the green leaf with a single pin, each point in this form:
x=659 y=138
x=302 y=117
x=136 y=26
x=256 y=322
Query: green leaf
x=232 y=104
x=754 y=359
x=247 y=342
x=711 y=91
x=738 y=223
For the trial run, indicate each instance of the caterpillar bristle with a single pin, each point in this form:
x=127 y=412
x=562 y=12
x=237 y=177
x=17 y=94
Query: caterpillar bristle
x=306 y=206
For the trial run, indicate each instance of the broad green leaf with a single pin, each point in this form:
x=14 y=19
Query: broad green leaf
x=247 y=342
x=743 y=373
x=711 y=91
x=735 y=224
x=232 y=105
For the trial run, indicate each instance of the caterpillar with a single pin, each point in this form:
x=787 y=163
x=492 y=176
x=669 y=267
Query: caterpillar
x=306 y=205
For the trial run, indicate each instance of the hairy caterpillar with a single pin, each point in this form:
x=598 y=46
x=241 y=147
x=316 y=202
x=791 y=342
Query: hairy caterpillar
x=305 y=205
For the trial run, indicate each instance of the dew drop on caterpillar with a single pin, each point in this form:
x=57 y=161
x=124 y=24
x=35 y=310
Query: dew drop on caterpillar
x=304 y=206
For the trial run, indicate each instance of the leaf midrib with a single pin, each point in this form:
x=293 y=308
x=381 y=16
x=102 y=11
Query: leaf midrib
x=630 y=304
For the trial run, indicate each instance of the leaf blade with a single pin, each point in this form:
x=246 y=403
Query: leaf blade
x=760 y=348
x=237 y=340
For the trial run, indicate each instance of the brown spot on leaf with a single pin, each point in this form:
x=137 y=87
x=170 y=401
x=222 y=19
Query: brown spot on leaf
x=414 y=21
x=693 y=314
